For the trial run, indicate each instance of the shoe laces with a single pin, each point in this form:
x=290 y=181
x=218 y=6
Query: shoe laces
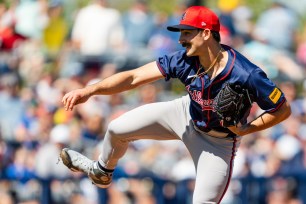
x=84 y=162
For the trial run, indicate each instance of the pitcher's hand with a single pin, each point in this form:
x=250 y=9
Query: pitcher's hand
x=75 y=97
x=240 y=130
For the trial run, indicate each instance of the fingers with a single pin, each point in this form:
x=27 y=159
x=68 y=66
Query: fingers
x=234 y=130
x=69 y=101
x=240 y=129
x=66 y=101
x=74 y=98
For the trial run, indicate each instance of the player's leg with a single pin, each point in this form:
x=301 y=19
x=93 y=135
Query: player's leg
x=160 y=121
x=214 y=160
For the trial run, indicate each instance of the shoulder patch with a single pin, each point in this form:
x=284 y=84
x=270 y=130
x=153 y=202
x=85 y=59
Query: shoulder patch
x=275 y=95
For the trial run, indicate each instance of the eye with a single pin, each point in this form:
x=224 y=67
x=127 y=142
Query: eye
x=185 y=33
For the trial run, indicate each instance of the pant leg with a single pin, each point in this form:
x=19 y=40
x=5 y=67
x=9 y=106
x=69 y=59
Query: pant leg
x=213 y=157
x=214 y=161
x=159 y=121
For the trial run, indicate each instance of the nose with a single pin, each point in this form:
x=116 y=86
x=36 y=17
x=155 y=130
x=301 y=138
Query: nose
x=181 y=39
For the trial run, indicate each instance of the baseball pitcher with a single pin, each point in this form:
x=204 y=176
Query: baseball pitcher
x=222 y=85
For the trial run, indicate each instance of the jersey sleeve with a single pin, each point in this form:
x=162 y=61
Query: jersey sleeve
x=172 y=65
x=266 y=94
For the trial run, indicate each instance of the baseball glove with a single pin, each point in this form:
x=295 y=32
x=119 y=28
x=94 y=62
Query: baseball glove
x=232 y=105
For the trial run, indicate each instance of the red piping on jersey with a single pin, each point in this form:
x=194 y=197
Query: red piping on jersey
x=161 y=69
x=208 y=112
x=202 y=91
x=230 y=170
x=229 y=71
x=202 y=82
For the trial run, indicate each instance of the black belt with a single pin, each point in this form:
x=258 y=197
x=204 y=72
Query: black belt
x=204 y=129
x=214 y=132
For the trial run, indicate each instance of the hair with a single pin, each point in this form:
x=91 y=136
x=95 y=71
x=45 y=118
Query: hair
x=216 y=35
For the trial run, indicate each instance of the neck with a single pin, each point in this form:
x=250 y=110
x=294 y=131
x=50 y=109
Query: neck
x=210 y=56
x=209 y=60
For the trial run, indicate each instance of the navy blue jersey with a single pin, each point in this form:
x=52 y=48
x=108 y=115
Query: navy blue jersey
x=202 y=90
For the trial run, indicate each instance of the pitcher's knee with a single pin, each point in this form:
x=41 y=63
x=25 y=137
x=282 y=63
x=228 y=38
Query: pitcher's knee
x=116 y=130
x=113 y=128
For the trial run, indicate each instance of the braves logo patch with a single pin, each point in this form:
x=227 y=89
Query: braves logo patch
x=275 y=95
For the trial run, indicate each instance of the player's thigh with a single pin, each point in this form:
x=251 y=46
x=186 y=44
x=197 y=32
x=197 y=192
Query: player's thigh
x=162 y=120
x=213 y=175
x=214 y=160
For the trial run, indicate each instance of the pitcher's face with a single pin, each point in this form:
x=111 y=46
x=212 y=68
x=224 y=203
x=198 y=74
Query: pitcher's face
x=192 y=40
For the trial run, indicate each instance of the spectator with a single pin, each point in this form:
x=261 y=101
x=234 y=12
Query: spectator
x=226 y=18
x=22 y=167
x=22 y=170
x=172 y=19
x=59 y=137
x=277 y=63
x=138 y=25
x=301 y=48
x=6 y=198
x=104 y=33
x=56 y=30
x=31 y=18
x=298 y=6
x=281 y=191
x=161 y=42
x=10 y=38
x=242 y=16
x=278 y=32
x=11 y=107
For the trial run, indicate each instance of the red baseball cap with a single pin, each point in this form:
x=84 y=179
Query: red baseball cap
x=197 y=17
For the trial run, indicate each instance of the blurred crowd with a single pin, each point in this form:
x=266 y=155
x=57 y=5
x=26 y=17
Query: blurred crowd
x=48 y=48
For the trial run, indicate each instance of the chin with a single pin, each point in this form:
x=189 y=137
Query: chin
x=190 y=54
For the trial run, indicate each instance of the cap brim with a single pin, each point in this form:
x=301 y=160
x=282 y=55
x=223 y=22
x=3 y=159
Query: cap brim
x=178 y=28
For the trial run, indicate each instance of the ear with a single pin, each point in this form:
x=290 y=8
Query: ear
x=206 y=33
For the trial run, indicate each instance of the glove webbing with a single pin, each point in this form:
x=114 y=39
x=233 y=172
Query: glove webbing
x=230 y=105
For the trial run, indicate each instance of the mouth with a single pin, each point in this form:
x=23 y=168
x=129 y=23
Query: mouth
x=186 y=45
